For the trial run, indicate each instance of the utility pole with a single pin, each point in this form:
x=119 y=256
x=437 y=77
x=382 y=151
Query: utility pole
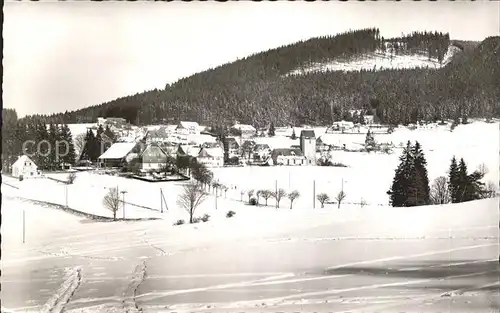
x=216 y=193
x=314 y=194
x=66 y=194
x=24 y=226
x=123 y=192
x=276 y=191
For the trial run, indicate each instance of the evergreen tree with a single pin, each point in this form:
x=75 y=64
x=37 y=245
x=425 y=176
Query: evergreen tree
x=272 y=130
x=69 y=156
x=42 y=147
x=108 y=132
x=453 y=181
x=294 y=136
x=370 y=143
x=53 y=139
x=419 y=191
x=462 y=180
x=398 y=193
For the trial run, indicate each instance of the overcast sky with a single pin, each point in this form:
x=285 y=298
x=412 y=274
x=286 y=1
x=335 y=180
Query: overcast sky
x=68 y=55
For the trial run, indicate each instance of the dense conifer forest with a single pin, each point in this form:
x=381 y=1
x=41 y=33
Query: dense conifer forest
x=257 y=90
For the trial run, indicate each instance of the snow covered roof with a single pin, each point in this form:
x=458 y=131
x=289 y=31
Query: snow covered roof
x=21 y=160
x=244 y=127
x=189 y=150
x=286 y=152
x=211 y=152
x=118 y=150
x=189 y=125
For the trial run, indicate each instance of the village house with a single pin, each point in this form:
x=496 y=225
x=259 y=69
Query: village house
x=188 y=150
x=211 y=157
x=246 y=131
x=116 y=155
x=288 y=156
x=340 y=126
x=152 y=158
x=25 y=167
x=233 y=146
x=187 y=128
x=160 y=135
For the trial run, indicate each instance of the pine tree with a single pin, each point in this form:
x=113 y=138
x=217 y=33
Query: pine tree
x=108 y=132
x=398 y=193
x=42 y=146
x=453 y=181
x=53 y=139
x=419 y=193
x=69 y=156
x=370 y=143
x=272 y=130
x=462 y=181
x=294 y=136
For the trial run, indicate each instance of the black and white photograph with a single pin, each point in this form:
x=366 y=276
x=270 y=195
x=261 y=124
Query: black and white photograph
x=250 y=157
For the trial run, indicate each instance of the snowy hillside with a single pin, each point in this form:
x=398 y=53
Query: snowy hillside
x=380 y=60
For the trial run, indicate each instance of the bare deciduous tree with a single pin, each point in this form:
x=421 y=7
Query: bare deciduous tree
x=490 y=190
x=250 y=194
x=482 y=169
x=340 y=196
x=111 y=201
x=191 y=197
x=278 y=195
x=292 y=196
x=242 y=192
x=362 y=203
x=439 y=192
x=322 y=198
x=266 y=194
x=71 y=178
x=79 y=144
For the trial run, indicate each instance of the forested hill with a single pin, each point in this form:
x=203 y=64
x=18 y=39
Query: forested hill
x=258 y=90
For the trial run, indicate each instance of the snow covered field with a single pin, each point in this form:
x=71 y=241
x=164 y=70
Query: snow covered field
x=262 y=259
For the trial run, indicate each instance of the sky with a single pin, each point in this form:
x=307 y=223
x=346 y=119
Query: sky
x=62 y=56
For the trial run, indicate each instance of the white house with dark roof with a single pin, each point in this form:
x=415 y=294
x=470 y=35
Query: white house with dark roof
x=211 y=157
x=25 y=167
x=188 y=128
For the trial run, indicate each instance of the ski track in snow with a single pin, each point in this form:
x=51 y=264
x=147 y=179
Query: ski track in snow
x=63 y=295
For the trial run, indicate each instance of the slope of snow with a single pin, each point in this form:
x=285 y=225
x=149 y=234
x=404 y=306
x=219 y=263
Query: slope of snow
x=380 y=60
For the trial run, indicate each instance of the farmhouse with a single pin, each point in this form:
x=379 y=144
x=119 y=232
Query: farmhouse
x=340 y=126
x=25 y=167
x=160 y=135
x=247 y=131
x=287 y=156
x=232 y=146
x=188 y=128
x=211 y=157
x=116 y=154
x=153 y=158
x=308 y=145
x=188 y=150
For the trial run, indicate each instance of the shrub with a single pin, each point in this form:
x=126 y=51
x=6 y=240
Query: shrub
x=179 y=222
x=230 y=214
x=253 y=201
x=71 y=178
x=21 y=177
x=196 y=220
x=205 y=218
